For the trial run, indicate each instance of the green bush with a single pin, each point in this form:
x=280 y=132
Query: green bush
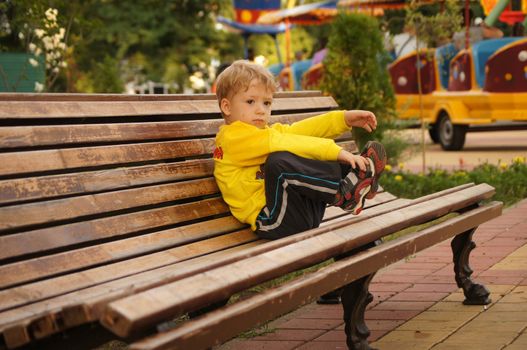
x=356 y=75
x=509 y=180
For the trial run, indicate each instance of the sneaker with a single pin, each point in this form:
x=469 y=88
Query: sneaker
x=376 y=155
x=352 y=192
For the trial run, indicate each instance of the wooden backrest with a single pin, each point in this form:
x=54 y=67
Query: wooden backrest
x=80 y=170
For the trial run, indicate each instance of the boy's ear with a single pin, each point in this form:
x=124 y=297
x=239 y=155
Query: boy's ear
x=225 y=106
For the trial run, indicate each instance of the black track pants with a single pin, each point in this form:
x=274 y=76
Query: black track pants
x=297 y=191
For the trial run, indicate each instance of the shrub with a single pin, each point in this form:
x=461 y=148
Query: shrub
x=355 y=75
x=509 y=180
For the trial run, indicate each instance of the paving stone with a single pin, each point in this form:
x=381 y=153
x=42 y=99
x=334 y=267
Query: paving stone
x=419 y=265
x=404 y=305
x=304 y=323
x=406 y=345
x=290 y=334
x=419 y=296
x=411 y=337
x=324 y=345
x=493 y=327
x=499 y=280
x=447 y=326
x=475 y=339
x=433 y=287
x=461 y=315
x=261 y=345
x=388 y=287
x=410 y=272
x=386 y=278
x=492 y=314
x=464 y=346
x=517 y=295
x=455 y=306
x=510 y=307
x=390 y=314
x=520 y=343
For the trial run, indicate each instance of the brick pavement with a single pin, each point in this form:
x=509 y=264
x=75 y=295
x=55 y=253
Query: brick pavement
x=418 y=306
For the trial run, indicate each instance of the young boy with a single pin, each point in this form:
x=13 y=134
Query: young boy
x=280 y=178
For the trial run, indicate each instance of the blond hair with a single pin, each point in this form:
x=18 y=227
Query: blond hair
x=238 y=76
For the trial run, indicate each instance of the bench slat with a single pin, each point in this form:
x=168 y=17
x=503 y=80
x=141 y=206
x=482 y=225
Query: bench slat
x=47 y=187
x=71 y=158
x=139 y=97
x=210 y=330
x=147 y=308
x=122 y=277
x=27 y=136
x=88 y=109
x=42 y=240
x=77 y=207
x=47 y=135
x=49 y=265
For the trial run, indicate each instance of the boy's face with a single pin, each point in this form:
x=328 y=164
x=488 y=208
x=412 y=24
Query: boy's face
x=252 y=106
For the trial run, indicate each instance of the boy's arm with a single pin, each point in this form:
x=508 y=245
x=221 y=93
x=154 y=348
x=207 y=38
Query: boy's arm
x=327 y=125
x=249 y=146
x=332 y=124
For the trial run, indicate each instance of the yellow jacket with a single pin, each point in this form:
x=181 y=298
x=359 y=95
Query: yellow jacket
x=242 y=149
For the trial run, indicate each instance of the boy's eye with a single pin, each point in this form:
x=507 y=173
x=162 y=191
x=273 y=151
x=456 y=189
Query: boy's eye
x=250 y=102
x=268 y=103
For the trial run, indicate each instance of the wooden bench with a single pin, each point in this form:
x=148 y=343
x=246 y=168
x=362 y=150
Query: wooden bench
x=111 y=225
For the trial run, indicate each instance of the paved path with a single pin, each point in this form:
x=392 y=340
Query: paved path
x=480 y=147
x=418 y=306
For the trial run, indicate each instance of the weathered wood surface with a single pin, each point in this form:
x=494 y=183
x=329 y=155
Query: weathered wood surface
x=87 y=109
x=48 y=288
x=209 y=331
x=51 y=186
x=123 y=97
x=145 y=309
x=47 y=135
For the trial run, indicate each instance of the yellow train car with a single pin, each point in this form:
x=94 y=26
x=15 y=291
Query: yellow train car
x=481 y=86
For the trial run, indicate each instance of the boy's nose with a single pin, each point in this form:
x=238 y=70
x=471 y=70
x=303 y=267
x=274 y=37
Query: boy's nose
x=260 y=108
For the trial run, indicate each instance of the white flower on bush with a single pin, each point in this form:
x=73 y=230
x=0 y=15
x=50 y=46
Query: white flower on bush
x=39 y=87
x=33 y=62
x=39 y=33
x=48 y=41
x=51 y=14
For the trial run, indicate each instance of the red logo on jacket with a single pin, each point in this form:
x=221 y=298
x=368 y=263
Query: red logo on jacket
x=218 y=153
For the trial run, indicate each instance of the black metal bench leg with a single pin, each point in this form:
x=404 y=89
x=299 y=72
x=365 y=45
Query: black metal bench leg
x=355 y=297
x=475 y=294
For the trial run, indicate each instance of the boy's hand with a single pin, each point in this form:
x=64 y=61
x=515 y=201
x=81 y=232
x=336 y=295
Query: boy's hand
x=361 y=119
x=352 y=159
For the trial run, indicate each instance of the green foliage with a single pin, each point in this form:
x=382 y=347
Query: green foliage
x=356 y=76
x=433 y=26
x=509 y=180
x=103 y=78
x=159 y=40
